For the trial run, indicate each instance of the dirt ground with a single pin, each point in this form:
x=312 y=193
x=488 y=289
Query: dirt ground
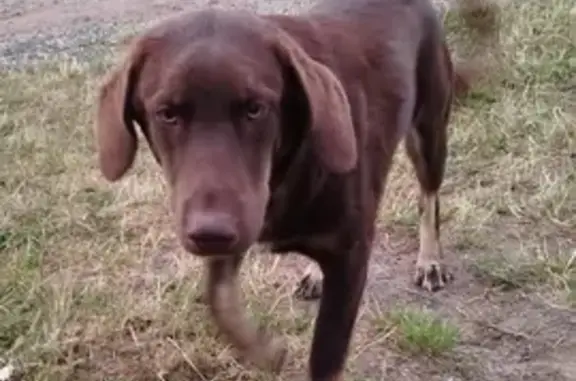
x=512 y=253
x=29 y=16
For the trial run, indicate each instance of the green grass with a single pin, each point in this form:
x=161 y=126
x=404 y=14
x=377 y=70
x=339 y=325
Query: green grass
x=419 y=332
x=94 y=287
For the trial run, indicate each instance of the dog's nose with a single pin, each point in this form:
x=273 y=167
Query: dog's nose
x=212 y=233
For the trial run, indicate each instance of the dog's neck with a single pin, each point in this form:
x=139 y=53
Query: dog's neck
x=290 y=175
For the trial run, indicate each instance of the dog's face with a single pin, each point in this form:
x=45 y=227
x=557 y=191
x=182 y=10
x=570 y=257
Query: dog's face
x=216 y=94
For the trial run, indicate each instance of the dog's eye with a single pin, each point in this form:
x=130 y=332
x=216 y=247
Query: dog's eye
x=254 y=110
x=167 y=115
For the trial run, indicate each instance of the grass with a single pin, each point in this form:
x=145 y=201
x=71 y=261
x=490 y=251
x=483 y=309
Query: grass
x=93 y=286
x=512 y=273
x=420 y=332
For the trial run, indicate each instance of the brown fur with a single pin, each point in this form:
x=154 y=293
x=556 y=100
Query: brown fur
x=281 y=130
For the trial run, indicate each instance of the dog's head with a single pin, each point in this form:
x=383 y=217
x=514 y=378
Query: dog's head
x=215 y=94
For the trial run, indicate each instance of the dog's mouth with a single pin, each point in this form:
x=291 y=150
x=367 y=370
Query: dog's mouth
x=211 y=248
x=214 y=239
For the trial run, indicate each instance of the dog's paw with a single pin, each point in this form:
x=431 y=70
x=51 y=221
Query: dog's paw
x=278 y=356
x=432 y=275
x=267 y=351
x=271 y=354
x=309 y=288
x=310 y=285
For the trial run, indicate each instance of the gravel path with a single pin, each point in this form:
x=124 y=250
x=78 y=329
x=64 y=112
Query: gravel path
x=35 y=30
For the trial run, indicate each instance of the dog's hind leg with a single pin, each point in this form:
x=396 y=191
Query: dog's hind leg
x=431 y=272
x=426 y=145
x=226 y=307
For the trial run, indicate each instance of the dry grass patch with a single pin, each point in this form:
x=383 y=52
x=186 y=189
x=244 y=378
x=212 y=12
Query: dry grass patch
x=93 y=286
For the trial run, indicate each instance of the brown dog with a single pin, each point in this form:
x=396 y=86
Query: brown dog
x=281 y=130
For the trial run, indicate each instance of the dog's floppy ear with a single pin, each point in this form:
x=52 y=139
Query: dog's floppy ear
x=330 y=116
x=114 y=128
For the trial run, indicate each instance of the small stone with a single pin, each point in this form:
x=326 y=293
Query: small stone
x=6 y=372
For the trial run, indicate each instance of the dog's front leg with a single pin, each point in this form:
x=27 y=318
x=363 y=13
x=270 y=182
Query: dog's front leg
x=223 y=296
x=343 y=287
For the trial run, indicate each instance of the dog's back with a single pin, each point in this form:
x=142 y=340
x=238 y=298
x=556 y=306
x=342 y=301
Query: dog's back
x=376 y=48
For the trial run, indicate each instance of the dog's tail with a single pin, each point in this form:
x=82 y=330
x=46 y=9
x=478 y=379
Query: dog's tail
x=481 y=21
